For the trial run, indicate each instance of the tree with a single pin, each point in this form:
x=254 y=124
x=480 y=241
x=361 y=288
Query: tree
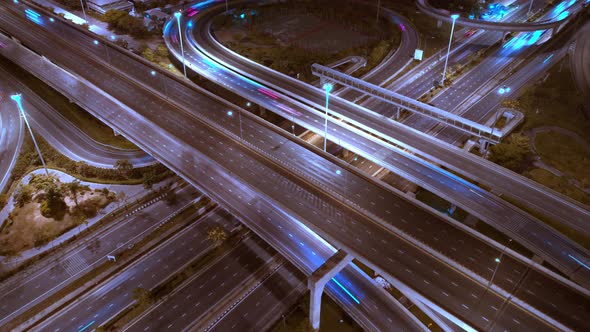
x=23 y=195
x=217 y=235
x=511 y=153
x=148 y=54
x=74 y=188
x=162 y=51
x=124 y=167
x=149 y=178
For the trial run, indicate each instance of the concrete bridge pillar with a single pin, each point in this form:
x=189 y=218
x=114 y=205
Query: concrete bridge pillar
x=318 y=280
x=483 y=146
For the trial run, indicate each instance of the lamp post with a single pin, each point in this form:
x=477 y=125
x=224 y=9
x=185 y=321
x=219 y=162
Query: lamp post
x=177 y=15
x=17 y=99
x=378 y=8
x=454 y=17
x=498 y=260
x=83 y=11
x=226 y=7
x=327 y=87
x=530 y=7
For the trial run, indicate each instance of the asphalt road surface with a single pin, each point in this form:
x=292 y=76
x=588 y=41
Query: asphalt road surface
x=281 y=189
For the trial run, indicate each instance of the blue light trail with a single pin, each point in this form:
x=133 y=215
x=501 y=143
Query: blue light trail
x=347 y=292
x=87 y=326
x=579 y=262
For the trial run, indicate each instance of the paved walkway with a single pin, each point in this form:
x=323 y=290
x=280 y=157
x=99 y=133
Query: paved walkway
x=132 y=192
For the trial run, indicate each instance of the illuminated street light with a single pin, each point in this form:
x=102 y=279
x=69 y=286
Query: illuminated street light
x=327 y=87
x=153 y=72
x=503 y=89
x=95 y=42
x=17 y=99
x=454 y=17
x=177 y=15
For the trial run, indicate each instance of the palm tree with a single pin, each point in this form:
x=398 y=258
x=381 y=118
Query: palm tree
x=74 y=188
x=216 y=235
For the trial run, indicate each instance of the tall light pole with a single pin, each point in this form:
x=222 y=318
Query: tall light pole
x=177 y=15
x=17 y=99
x=530 y=7
x=378 y=8
x=226 y=7
x=498 y=260
x=454 y=17
x=327 y=87
x=83 y=11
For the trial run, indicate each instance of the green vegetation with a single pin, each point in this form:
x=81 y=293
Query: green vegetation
x=28 y=160
x=217 y=235
x=559 y=184
x=97 y=130
x=513 y=153
x=566 y=154
x=72 y=4
x=332 y=318
x=555 y=102
x=46 y=208
x=466 y=7
x=251 y=38
x=122 y=23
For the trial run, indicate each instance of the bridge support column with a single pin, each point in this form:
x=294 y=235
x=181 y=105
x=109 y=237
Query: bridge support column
x=483 y=146
x=319 y=279
x=397 y=113
x=439 y=24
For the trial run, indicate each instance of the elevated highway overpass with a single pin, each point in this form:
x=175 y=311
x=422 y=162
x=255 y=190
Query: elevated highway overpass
x=196 y=136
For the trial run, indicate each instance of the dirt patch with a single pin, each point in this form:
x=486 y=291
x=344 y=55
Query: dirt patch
x=29 y=225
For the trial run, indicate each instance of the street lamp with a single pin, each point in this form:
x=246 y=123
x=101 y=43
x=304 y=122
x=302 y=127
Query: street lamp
x=83 y=11
x=226 y=7
x=327 y=87
x=498 y=260
x=454 y=17
x=231 y=113
x=17 y=99
x=177 y=15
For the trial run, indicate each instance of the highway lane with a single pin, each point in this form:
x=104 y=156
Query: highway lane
x=551 y=22
x=420 y=228
x=171 y=148
x=501 y=180
x=521 y=46
x=580 y=62
x=473 y=199
x=396 y=60
x=265 y=305
x=11 y=132
x=534 y=68
x=174 y=149
x=66 y=137
x=112 y=296
x=22 y=292
x=248 y=262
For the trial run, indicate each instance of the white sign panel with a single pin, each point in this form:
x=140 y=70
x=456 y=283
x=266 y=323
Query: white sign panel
x=418 y=54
